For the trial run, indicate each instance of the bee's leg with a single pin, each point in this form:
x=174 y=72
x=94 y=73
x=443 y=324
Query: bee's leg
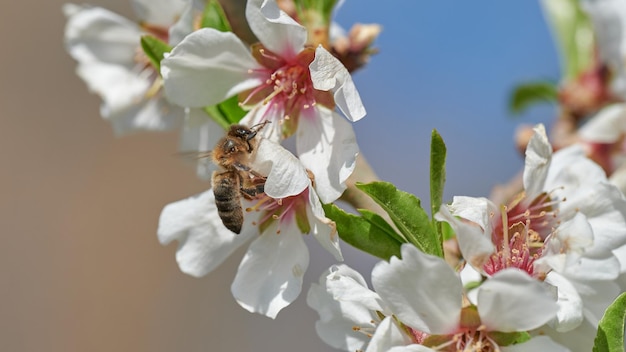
x=241 y=167
x=251 y=188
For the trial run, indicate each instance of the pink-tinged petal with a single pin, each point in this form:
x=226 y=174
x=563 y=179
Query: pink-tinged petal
x=475 y=246
x=537 y=343
x=204 y=242
x=323 y=229
x=328 y=73
x=278 y=32
x=607 y=126
x=421 y=290
x=327 y=146
x=285 y=174
x=387 y=335
x=348 y=286
x=513 y=301
x=337 y=318
x=570 y=305
x=270 y=275
x=158 y=12
x=96 y=34
x=207 y=67
x=537 y=163
x=477 y=210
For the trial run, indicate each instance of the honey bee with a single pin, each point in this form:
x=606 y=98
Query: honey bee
x=236 y=178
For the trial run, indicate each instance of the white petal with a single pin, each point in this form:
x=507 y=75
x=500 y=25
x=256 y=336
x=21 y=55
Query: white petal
x=337 y=318
x=349 y=286
x=119 y=87
x=570 y=305
x=411 y=348
x=571 y=173
x=328 y=73
x=475 y=246
x=327 y=146
x=270 y=275
x=285 y=174
x=421 y=290
x=158 y=12
x=605 y=209
x=537 y=163
x=579 y=339
x=608 y=22
x=200 y=134
x=323 y=229
x=477 y=210
x=512 y=301
x=204 y=242
x=125 y=101
x=96 y=34
x=537 y=343
x=185 y=24
x=387 y=335
x=154 y=114
x=277 y=31
x=618 y=178
x=596 y=302
x=607 y=126
x=207 y=67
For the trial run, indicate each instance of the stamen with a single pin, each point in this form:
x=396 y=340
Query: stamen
x=268 y=56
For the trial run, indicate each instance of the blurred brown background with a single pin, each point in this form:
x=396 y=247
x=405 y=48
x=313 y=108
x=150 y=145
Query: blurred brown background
x=80 y=265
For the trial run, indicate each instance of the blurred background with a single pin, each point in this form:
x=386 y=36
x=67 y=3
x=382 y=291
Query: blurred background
x=80 y=265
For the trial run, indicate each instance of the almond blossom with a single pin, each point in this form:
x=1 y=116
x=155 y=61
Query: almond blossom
x=270 y=275
x=280 y=80
x=112 y=63
x=419 y=305
x=562 y=229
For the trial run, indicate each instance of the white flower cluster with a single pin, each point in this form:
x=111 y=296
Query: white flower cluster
x=533 y=272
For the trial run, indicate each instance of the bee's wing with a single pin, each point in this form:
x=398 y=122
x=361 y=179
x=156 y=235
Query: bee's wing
x=202 y=160
x=195 y=155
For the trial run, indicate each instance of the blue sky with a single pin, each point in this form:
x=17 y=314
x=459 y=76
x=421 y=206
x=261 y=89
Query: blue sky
x=449 y=65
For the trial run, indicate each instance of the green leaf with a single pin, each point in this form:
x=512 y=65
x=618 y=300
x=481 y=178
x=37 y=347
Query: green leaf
x=324 y=8
x=509 y=338
x=227 y=112
x=527 y=94
x=369 y=236
x=378 y=221
x=437 y=176
x=610 y=336
x=573 y=33
x=407 y=214
x=155 y=49
x=214 y=17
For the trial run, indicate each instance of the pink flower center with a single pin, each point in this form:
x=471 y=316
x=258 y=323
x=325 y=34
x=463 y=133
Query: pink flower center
x=287 y=90
x=284 y=211
x=520 y=232
x=471 y=335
